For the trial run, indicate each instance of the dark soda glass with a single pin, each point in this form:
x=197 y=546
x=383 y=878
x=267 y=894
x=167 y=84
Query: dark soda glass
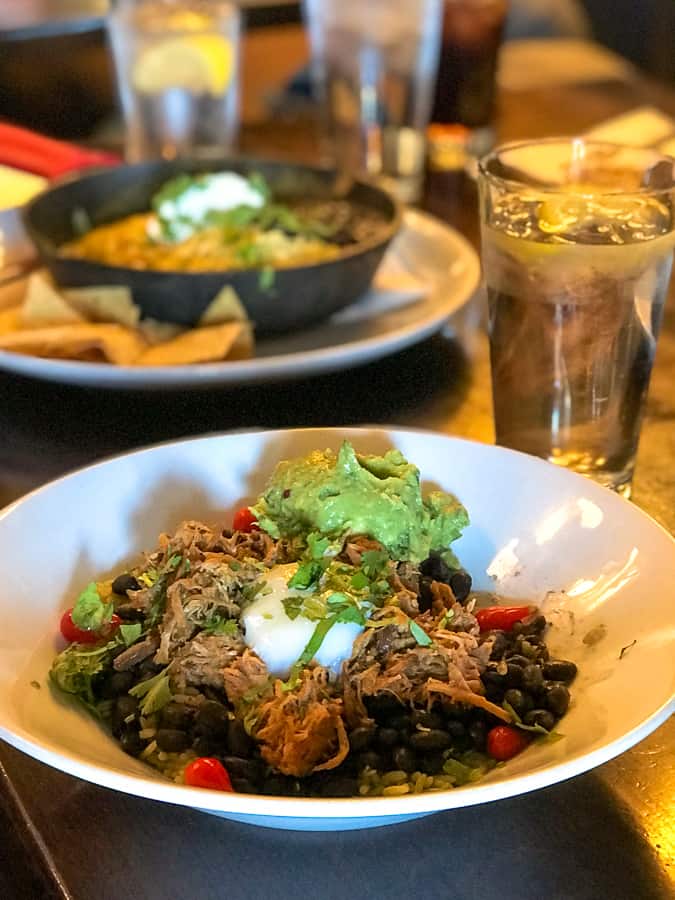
x=465 y=86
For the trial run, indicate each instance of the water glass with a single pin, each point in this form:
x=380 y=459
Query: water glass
x=177 y=65
x=374 y=65
x=578 y=243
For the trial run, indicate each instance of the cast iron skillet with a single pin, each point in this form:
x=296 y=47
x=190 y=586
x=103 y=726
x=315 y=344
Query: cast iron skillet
x=299 y=296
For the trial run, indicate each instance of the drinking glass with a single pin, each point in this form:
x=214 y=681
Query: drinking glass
x=578 y=243
x=177 y=71
x=374 y=65
x=464 y=100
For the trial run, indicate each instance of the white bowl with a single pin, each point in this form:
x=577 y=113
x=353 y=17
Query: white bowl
x=535 y=529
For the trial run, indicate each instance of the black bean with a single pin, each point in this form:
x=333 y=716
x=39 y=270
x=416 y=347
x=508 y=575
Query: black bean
x=430 y=740
x=530 y=651
x=387 y=737
x=427 y=718
x=239 y=742
x=371 y=759
x=455 y=729
x=340 y=786
x=425 y=595
x=361 y=738
x=533 y=678
x=124 y=583
x=277 y=785
x=540 y=717
x=557 y=699
x=383 y=706
x=129 y=613
x=560 y=670
x=404 y=759
x=460 y=584
x=130 y=741
x=401 y=723
x=125 y=706
x=171 y=740
x=148 y=668
x=242 y=768
x=436 y=568
x=204 y=746
x=494 y=694
x=212 y=719
x=494 y=678
x=432 y=763
x=477 y=732
x=520 y=701
x=514 y=675
x=517 y=659
x=175 y=715
x=116 y=684
x=243 y=786
x=499 y=646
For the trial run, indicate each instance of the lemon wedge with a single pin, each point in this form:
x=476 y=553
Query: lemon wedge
x=199 y=63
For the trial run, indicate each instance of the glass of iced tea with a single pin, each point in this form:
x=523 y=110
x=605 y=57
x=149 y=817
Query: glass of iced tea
x=577 y=241
x=177 y=72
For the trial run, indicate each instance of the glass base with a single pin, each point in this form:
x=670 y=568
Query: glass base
x=620 y=482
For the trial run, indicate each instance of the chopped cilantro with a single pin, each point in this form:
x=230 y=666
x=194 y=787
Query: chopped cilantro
x=307 y=574
x=153 y=694
x=419 y=634
x=130 y=632
x=374 y=563
x=174 y=561
x=90 y=612
x=220 y=625
x=359 y=581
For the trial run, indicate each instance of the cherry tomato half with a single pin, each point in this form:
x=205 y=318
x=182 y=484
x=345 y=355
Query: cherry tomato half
x=501 y=617
x=76 y=635
x=244 y=520
x=206 y=772
x=505 y=742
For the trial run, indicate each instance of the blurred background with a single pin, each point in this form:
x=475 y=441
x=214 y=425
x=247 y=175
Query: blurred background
x=56 y=74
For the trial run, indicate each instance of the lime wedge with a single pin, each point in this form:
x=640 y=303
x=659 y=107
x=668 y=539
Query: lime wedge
x=199 y=63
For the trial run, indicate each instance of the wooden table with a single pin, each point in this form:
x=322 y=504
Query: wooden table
x=607 y=834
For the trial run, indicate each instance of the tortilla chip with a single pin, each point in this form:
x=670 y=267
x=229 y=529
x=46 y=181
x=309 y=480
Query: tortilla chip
x=225 y=307
x=105 y=303
x=111 y=343
x=10 y=319
x=233 y=340
x=156 y=332
x=43 y=305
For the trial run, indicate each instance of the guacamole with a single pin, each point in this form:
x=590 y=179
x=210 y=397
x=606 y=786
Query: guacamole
x=377 y=496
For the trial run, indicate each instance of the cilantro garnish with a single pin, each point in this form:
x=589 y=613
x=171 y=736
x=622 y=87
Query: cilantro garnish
x=154 y=693
x=419 y=634
x=374 y=563
x=130 y=632
x=220 y=625
x=307 y=575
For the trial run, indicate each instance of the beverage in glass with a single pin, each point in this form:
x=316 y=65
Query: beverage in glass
x=374 y=66
x=577 y=251
x=465 y=85
x=177 y=70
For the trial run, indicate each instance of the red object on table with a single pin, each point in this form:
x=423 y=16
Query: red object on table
x=33 y=152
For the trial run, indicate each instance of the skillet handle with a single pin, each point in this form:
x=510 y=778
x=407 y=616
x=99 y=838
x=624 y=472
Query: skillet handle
x=23 y=149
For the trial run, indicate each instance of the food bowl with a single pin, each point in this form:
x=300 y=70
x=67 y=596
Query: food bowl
x=598 y=567
x=298 y=295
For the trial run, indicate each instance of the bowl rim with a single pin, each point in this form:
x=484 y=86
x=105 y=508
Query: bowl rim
x=357 y=807
x=50 y=252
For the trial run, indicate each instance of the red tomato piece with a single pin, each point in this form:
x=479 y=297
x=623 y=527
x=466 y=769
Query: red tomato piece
x=505 y=742
x=76 y=635
x=206 y=772
x=244 y=520
x=501 y=617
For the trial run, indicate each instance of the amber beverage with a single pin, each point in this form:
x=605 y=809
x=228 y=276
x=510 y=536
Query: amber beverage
x=465 y=86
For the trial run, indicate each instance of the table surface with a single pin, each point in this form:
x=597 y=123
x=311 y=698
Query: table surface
x=607 y=834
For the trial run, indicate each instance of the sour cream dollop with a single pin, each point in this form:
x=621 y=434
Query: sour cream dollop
x=278 y=640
